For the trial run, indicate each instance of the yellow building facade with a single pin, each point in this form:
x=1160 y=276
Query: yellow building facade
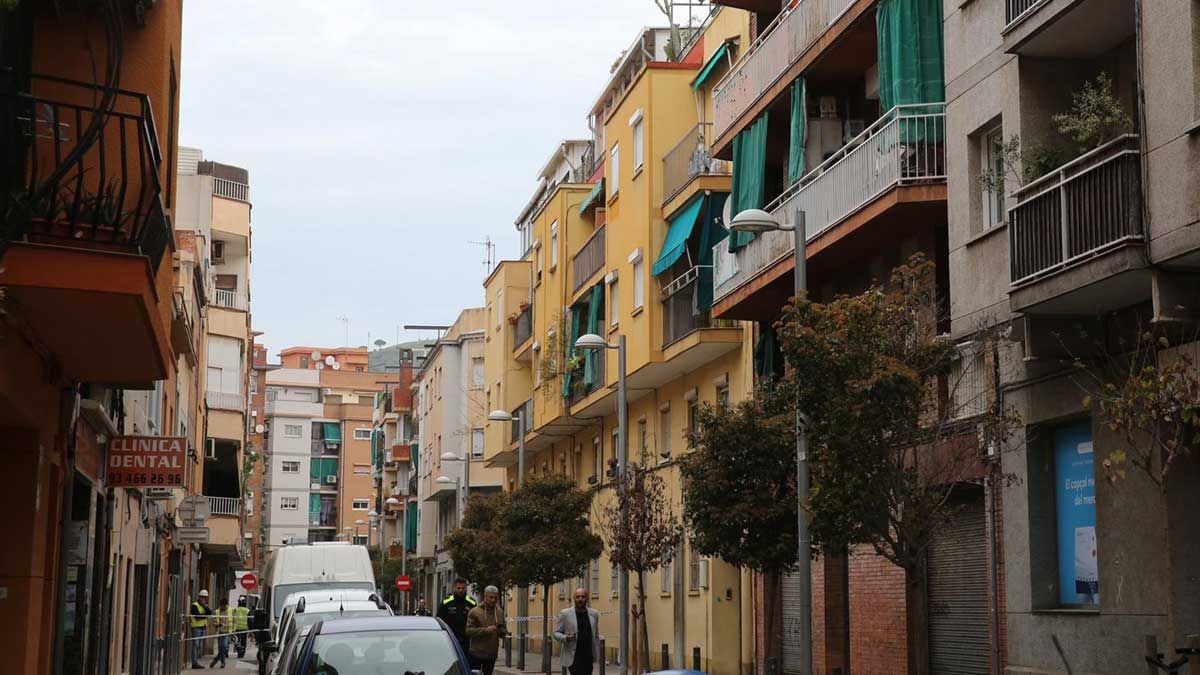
x=614 y=244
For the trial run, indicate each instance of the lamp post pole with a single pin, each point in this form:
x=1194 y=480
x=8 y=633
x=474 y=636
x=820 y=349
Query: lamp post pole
x=804 y=540
x=523 y=591
x=622 y=455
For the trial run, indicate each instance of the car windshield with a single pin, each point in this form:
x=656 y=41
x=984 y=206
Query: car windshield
x=395 y=652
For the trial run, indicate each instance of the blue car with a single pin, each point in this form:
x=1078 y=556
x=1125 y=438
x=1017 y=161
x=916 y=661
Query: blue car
x=383 y=645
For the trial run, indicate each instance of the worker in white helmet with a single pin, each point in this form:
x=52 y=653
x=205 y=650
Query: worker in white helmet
x=199 y=614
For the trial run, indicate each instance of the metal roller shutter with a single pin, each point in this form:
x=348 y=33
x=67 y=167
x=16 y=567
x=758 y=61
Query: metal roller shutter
x=959 y=635
x=793 y=651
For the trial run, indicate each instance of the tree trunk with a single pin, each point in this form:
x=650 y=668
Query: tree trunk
x=772 y=622
x=546 y=658
x=916 y=602
x=643 y=631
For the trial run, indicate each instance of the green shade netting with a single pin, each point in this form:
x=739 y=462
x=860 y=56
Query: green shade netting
x=314 y=503
x=333 y=432
x=912 y=64
x=711 y=64
x=712 y=231
x=798 y=131
x=749 y=169
x=411 y=516
x=676 y=240
x=595 y=303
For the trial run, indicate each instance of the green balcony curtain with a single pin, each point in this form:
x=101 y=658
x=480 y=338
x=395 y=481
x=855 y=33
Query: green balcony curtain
x=911 y=63
x=749 y=169
x=414 y=450
x=411 y=516
x=768 y=356
x=333 y=432
x=569 y=348
x=322 y=467
x=799 y=131
x=712 y=231
x=595 y=306
x=314 y=504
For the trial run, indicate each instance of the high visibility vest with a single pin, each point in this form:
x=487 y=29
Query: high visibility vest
x=198 y=618
x=241 y=616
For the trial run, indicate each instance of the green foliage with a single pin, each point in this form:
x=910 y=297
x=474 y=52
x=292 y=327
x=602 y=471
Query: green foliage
x=739 y=487
x=544 y=527
x=1021 y=164
x=553 y=362
x=639 y=527
x=477 y=546
x=1095 y=116
x=386 y=571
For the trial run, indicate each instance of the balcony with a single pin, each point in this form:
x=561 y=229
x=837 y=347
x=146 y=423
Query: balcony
x=770 y=56
x=691 y=157
x=904 y=148
x=580 y=391
x=680 y=315
x=286 y=408
x=229 y=299
x=1082 y=224
x=323 y=518
x=221 y=400
x=1066 y=28
x=225 y=506
x=523 y=327
x=525 y=411
x=224 y=526
x=84 y=231
x=588 y=261
x=183 y=330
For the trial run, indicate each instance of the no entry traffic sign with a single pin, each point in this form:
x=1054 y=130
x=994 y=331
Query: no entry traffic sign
x=403 y=583
x=249 y=581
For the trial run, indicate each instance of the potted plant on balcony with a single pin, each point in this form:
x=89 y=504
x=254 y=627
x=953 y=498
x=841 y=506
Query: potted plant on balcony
x=524 y=306
x=512 y=319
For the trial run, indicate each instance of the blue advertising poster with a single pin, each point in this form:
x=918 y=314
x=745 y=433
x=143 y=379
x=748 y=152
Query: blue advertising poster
x=1075 y=498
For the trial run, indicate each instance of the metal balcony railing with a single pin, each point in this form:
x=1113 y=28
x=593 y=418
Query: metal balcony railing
x=229 y=299
x=79 y=167
x=523 y=328
x=589 y=260
x=579 y=390
x=680 y=315
x=231 y=189
x=903 y=147
x=690 y=158
x=225 y=506
x=776 y=48
x=221 y=400
x=1015 y=9
x=1079 y=210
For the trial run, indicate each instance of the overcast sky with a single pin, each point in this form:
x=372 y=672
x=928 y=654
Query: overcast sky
x=382 y=137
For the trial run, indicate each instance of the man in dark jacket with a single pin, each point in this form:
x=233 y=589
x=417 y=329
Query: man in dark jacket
x=454 y=610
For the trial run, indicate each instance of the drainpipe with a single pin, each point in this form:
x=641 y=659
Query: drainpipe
x=69 y=413
x=995 y=533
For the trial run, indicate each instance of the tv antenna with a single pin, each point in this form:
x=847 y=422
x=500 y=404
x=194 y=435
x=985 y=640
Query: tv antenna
x=489 y=253
x=345 y=324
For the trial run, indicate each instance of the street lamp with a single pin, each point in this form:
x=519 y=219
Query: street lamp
x=591 y=341
x=522 y=591
x=758 y=221
x=373 y=517
x=466 y=484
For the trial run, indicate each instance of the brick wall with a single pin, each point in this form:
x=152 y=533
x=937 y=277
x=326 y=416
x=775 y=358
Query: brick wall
x=877 y=620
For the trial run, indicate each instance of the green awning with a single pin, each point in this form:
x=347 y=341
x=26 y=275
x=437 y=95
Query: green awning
x=713 y=62
x=711 y=232
x=333 y=432
x=594 y=198
x=677 y=235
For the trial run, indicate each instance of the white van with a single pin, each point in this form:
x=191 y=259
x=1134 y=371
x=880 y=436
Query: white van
x=319 y=565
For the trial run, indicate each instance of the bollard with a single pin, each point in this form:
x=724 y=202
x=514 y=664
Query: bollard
x=666 y=657
x=508 y=651
x=695 y=658
x=521 y=651
x=603 y=656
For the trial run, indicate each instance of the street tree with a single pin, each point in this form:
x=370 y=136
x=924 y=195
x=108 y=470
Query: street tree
x=894 y=430
x=477 y=545
x=641 y=532
x=545 y=531
x=739 y=491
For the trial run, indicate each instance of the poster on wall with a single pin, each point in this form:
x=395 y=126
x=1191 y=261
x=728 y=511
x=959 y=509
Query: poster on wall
x=1075 y=501
x=145 y=461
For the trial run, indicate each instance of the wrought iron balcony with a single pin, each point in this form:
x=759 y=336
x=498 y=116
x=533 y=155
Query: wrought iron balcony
x=903 y=147
x=690 y=158
x=1078 y=211
x=680 y=315
x=772 y=53
x=225 y=506
x=79 y=167
x=589 y=260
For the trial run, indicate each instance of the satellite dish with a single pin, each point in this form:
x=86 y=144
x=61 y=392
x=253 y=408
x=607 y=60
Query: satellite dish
x=329 y=360
x=320 y=366
x=258 y=428
x=316 y=355
x=337 y=366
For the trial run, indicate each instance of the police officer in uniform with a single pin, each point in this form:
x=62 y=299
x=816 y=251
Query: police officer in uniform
x=454 y=610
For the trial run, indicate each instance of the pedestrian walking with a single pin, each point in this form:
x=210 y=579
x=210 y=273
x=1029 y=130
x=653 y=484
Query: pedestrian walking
x=485 y=629
x=422 y=610
x=198 y=621
x=241 y=624
x=454 y=609
x=222 y=622
x=578 y=629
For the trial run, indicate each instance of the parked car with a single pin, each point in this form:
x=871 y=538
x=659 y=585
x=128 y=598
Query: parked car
x=318 y=604
x=371 y=646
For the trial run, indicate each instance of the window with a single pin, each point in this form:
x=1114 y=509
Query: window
x=249 y=503
x=639 y=135
x=969 y=385
x=289 y=503
x=643 y=437
x=693 y=568
x=723 y=394
x=991 y=157
x=664 y=429
x=289 y=466
x=361 y=434
x=594 y=578
x=616 y=450
x=614 y=579
x=665 y=578
x=362 y=469
x=598 y=457
x=254 y=383
x=693 y=409
x=293 y=431
x=154 y=409
x=360 y=504
x=639 y=284
x=477 y=443
x=218 y=251
x=614 y=307
x=1075 y=515
x=614 y=170
x=360 y=540
x=537 y=257
x=477 y=372
x=553 y=244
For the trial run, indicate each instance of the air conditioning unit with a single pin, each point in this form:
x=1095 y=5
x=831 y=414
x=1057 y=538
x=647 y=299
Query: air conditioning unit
x=327 y=391
x=210 y=449
x=331 y=480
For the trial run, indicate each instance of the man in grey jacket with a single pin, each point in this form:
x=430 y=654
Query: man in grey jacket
x=578 y=630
